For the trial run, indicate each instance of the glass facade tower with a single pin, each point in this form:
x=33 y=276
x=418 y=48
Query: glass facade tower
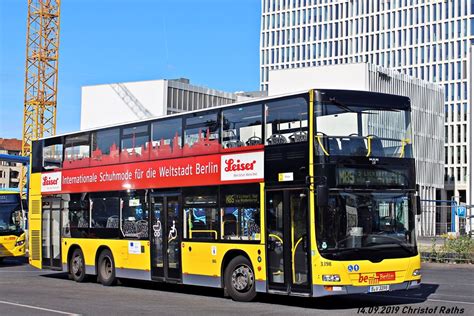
x=430 y=40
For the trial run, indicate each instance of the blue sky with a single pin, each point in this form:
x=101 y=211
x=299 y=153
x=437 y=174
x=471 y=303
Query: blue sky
x=214 y=43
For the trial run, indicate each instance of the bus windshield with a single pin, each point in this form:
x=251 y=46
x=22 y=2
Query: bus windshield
x=10 y=217
x=368 y=130
x=361 y=224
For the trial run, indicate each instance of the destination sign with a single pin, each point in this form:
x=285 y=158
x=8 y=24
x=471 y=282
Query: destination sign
x=371 y=177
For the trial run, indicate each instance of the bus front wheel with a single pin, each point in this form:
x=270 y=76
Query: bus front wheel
x=106 y=268
x=77 y=266
x=239 y=279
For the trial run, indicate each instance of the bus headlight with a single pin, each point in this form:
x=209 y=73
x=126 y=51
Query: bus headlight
x=416 y=272
x=19 y=243
x=331 y=278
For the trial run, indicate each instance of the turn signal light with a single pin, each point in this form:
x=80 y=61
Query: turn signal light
x=416 y=272
x=331 y=278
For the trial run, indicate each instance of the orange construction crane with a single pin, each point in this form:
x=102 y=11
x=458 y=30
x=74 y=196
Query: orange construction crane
x=41 y=78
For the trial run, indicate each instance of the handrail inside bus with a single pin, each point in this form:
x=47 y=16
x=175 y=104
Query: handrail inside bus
x=321 y=145
x=369 y=145
x=405 y=141
x=191 y=231
x=276 y=237
x=293 y=252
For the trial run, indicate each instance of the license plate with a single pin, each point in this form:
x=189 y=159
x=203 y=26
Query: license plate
x=379 y=288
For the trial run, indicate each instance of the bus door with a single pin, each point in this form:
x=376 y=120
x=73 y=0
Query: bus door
x=287 y=239
x=165 y=237
x=51 y=233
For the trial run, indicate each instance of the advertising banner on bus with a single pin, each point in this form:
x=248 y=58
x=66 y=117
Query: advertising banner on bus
x=190 y=171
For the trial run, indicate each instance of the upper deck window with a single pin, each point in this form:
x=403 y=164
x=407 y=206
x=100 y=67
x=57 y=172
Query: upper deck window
x=362 y=130
x=105 y=146
x=166 y=138
x=201 y=134
x=52 y=154
x=135 y=143
x=76 y=151
x=286 y=121
x=242 y=126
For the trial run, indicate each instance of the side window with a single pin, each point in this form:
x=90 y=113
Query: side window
x=105 y=147
x=52 y=154
x=76 y=151
x=201 y=134
x=201 y=220
x=242 y=126
x=135 y=143
x=134 y=216
x=240 y=211
x=166 y=139
x=78 y=215
x=286 y=121
x=105 y=212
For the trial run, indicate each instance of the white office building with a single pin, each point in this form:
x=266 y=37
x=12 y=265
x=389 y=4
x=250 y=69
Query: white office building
x=430 y=40
x=427 y=117
x=115 y=103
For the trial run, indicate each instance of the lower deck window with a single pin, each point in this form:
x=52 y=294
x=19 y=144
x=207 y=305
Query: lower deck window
x=201 y=220
x=240 y=212
x=105 y=216
x=134 y=216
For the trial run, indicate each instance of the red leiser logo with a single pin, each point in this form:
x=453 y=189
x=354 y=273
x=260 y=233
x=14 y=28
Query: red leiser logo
x=232 y=165
x=49 y=181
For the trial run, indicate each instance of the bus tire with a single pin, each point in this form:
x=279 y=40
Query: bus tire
x=106 y=268
x=77 y=266
x=239 y=280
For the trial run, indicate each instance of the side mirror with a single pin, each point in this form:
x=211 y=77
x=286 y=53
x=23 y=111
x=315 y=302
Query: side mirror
x=418 y=205
x=322 y=195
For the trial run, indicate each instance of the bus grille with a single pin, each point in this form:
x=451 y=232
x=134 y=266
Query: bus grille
x=35 y=245
x=35 y=207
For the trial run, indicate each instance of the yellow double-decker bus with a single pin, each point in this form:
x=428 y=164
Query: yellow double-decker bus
x=307 y=194
x=12 y=234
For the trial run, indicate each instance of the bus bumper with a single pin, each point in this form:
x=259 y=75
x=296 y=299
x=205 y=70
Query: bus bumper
x=324 y=290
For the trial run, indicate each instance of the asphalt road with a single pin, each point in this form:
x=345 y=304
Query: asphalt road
x=27 y=291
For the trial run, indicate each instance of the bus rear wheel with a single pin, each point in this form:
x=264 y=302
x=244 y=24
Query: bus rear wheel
x=77 y=266
x=106 y=268
x=239 y=279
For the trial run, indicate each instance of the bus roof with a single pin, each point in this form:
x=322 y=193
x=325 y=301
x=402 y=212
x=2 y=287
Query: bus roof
x=396 y=101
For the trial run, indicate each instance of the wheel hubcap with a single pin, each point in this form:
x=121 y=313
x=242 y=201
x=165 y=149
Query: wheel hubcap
x=242 y=278
x=107 y=267
x=77 y=265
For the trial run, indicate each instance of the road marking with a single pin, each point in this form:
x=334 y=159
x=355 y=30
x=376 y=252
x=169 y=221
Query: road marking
x=421 y=299
x=451 y=295
x=38 y=308
x=446 y=301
